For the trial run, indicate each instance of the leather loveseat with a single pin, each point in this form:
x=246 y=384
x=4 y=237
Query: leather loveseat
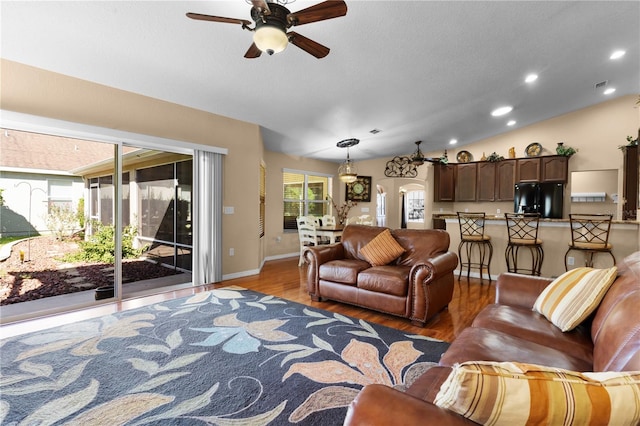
x=416 y=285
x=509 y=330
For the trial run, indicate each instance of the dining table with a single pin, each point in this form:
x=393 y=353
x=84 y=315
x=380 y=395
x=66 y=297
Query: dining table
x=332 y=232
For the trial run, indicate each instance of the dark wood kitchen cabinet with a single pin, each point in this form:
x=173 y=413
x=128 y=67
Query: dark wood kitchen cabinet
x=554 y=168
x=505 y=180
x=444 y=182
x=528 y=170
x=466 y=178
x=486 y=188
x=550 y=168
x=630 y=182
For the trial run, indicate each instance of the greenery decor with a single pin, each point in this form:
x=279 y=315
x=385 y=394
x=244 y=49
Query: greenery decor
x=494 y=157
x=101 y=245
x=567 y=151
x=630 y=142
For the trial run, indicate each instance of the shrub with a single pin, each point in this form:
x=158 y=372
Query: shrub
x=61 y=221
x=100 y=246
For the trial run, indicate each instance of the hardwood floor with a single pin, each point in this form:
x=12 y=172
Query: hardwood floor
x=284 y=279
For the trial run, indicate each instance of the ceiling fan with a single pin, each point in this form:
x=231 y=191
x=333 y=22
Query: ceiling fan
x=272 y=20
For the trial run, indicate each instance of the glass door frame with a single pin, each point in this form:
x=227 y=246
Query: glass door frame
x=29 y=123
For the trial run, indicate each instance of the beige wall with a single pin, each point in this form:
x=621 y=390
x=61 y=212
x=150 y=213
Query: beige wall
x=277 y=242
x=595 y=131
x=38 y=92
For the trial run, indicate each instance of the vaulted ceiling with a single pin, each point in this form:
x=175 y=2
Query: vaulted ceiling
x=415 y=70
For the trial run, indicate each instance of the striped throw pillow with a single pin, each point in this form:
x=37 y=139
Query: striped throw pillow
x=503 y=393
x=570 y=298
x=382 y=249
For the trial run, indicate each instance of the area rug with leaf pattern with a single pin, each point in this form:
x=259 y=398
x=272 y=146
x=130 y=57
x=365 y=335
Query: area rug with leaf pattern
x=229 y=356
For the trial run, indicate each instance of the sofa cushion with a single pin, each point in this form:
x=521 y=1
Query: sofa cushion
x=382 y=249
x=481 y=344
x=342 y=271
x=385 y=279
x=420 y=244
x=534 y=327
x=354 y=237
x=517 y=393
x=574 y=295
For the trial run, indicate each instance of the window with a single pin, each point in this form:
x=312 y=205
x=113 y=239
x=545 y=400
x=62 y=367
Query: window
x=415 y=206
x=304 y=194
x=60 y=194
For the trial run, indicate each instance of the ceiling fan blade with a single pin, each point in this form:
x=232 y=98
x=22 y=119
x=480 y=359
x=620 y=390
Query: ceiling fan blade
x=253 y=52
x=201 y=17
x=321 y=11
x=308 y=45
x=261 y=4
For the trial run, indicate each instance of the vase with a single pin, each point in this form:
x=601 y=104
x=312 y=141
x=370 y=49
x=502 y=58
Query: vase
x=560 y=148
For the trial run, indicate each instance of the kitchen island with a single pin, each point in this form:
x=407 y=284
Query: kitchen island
x=555 y=236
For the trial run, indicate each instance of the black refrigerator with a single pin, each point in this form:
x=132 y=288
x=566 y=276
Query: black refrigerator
x=543 y=198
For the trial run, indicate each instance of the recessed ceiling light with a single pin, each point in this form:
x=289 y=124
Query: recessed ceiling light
x=617 y=54
x=511 y=122
x=501 y=111
x=531 y=78
x=453 y=141
x=609 y=91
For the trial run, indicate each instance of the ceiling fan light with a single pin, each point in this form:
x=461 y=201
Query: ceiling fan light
x=270 y=39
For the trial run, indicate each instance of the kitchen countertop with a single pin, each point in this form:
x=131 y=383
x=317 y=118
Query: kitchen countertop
x=542 y=219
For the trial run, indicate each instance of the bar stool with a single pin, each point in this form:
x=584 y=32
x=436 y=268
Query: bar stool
x=522 y=230
x=472 y=235
x=590 y=234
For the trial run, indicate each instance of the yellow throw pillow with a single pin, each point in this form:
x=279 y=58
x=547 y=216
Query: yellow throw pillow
x=504 y=393
x=382 y=249
x=570 y=298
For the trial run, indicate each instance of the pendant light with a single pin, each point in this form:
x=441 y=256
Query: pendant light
x=347 y=171
x=417 y=159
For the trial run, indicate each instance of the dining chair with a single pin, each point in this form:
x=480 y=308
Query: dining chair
x=366 y=219
x=522 y=231
x=590 y=234
x=472 y=236
x=328 y=220
x=306 y=235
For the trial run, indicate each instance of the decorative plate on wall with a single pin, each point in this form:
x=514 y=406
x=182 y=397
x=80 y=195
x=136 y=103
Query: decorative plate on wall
x=464 y=157
x=533 y=149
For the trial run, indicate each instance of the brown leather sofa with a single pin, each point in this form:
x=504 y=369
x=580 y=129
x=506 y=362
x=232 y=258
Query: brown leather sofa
x=510 y=330
x=417 y=285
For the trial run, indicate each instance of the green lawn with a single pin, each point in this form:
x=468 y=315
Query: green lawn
x=7 y=240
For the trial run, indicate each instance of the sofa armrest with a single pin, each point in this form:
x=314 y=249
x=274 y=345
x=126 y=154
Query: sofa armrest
x=382 y=405
x=431 y=286
x=316 y=256
x=519 y=290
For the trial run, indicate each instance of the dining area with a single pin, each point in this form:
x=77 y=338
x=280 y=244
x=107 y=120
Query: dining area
x=314 y=230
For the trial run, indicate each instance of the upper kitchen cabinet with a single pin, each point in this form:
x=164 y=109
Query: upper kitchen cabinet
x=486 y=188
x=630 y=182
x=554 y=168
x=528 y=170
x=505 y=180
x=551 y=168
x=466 y=182
x=444 y=182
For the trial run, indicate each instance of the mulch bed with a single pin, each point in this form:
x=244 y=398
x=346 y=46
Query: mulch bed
x=43 y=274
